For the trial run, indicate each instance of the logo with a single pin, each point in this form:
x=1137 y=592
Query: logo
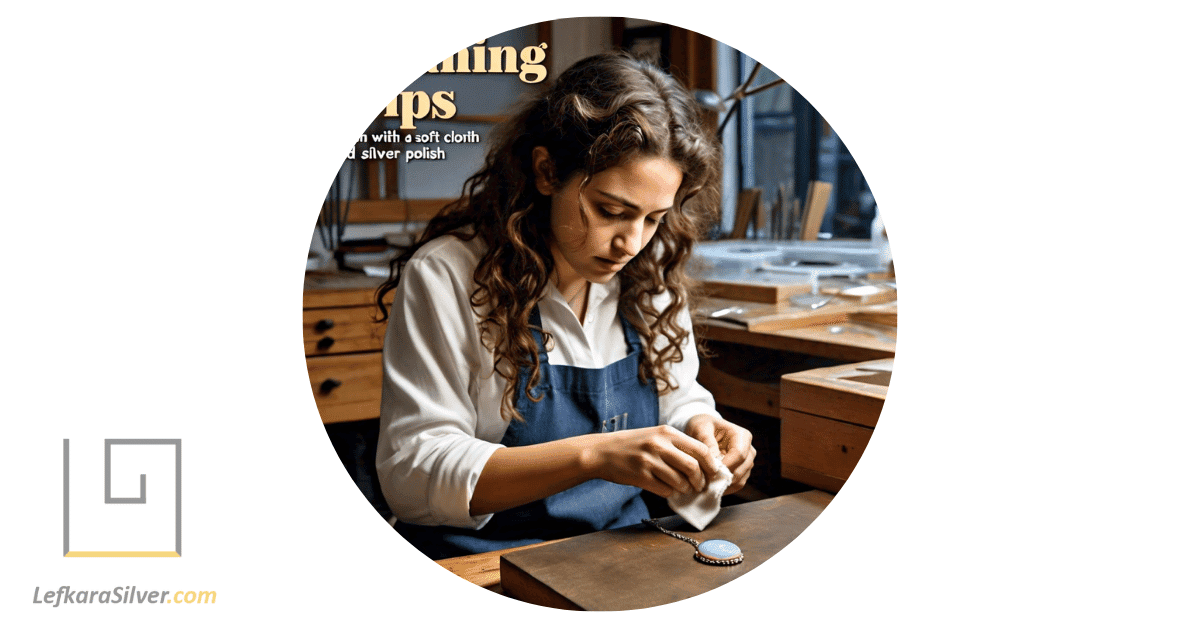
x=123 y=516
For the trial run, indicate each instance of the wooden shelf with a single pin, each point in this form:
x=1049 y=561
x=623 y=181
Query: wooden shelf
x=395 y=209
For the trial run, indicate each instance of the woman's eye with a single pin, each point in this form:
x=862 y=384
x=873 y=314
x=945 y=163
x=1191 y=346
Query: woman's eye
x=608 y=211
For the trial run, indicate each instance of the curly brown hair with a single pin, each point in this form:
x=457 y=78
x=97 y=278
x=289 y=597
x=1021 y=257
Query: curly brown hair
x=601 y=112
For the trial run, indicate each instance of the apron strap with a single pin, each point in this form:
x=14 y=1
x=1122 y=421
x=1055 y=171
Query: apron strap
x=632 y=339
x=535 y=324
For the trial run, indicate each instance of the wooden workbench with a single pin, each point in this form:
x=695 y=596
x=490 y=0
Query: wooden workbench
x=637 y=556
x=752 y=350
x=840 y=329
x=838 y=333
x=852 y=344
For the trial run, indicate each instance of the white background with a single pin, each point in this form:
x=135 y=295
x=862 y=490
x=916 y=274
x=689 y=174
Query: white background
x=1034 y=464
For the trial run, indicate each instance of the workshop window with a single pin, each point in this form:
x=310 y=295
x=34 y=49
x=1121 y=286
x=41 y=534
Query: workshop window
x=785 y=143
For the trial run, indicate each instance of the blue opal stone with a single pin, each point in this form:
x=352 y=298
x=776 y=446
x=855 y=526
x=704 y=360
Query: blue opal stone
x=718 y=549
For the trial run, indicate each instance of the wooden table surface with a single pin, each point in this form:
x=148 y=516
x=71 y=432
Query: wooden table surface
x=484 y=569
x=639 y=567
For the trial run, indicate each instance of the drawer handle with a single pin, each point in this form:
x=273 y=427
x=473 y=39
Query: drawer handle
x=328 y=385
x=325 y=343
x=325 y=324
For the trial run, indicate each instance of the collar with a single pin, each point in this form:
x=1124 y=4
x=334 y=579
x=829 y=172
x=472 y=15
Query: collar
x=600 y=292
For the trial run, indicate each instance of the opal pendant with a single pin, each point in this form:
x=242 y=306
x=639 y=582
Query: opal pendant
x=715 y=552
x=719 y=552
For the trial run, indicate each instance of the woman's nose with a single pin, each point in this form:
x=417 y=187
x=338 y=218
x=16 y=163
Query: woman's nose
x=629 y=240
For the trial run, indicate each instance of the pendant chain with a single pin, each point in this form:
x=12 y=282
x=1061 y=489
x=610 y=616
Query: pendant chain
x=654 y=522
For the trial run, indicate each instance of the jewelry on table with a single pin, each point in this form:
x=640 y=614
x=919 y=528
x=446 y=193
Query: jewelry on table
x=715 y=552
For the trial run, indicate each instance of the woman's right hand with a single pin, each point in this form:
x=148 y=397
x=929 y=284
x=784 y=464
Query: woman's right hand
x=659 y=459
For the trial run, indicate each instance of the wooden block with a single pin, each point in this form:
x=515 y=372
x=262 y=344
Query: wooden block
x=815 y=204
x=761 y=217
x=853 y=393
x=749 y=204
x=763 y=292
x=800 y=317
x=756 y=292
x=866 y=294
x=819 y=451
x=640 y=567
x=885 y=314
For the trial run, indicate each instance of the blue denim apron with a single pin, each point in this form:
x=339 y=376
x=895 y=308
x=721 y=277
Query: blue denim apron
x=573 y=401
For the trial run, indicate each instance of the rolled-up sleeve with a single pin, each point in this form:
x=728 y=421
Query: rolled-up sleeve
x=429 y=458
x=689 y=399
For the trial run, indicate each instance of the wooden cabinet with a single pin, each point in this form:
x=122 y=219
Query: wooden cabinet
x=342 y=344
x=827 y=418
x=329 y=331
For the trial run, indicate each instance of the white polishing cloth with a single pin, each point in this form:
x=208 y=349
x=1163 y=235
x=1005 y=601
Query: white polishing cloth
x=699 y=509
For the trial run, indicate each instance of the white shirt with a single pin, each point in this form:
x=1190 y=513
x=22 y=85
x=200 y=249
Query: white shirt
x=440 y=415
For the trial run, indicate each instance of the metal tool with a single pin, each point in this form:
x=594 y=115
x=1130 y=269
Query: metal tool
x=811 y=301
x=728 y=311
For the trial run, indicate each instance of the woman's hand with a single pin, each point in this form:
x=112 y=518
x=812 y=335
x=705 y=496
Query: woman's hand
x=659 y=459
x=731 y=440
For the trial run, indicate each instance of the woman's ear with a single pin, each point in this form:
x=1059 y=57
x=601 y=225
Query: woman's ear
x=543 y=171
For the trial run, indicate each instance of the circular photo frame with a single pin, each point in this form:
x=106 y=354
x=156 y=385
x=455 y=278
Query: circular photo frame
x=592 y=287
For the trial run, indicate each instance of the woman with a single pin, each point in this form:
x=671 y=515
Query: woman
x=539 y=371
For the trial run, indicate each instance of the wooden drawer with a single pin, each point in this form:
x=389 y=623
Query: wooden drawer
x=346 y=387
x=817 y=451
x=342 y=330
x=827 y=418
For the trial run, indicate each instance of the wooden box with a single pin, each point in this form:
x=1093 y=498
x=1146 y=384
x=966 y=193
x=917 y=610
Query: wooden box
x=826 y=419
x=757 y=292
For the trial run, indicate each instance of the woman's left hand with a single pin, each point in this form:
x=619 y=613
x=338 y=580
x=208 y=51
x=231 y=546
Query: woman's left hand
x=731 y=440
